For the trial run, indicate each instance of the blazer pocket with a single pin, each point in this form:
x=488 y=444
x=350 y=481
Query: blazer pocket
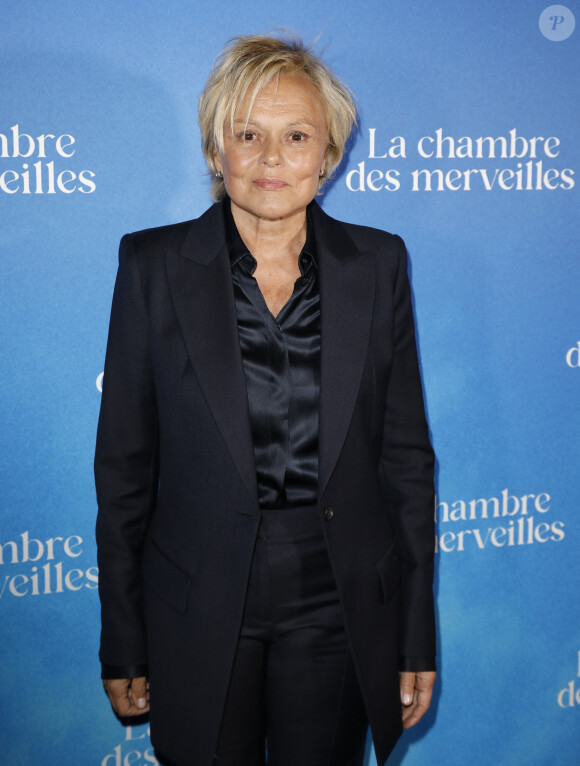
x=389 y=571
x=165 y=578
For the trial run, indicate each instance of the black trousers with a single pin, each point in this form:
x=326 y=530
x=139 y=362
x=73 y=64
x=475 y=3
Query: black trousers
x=293 y=692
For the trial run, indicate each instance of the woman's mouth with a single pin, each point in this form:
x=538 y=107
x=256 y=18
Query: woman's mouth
x=269 y=184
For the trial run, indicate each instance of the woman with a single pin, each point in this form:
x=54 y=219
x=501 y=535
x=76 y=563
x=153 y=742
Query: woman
x=263 y=466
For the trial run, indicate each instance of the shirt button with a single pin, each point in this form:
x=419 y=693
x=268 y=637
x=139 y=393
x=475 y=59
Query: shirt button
x=328 y=512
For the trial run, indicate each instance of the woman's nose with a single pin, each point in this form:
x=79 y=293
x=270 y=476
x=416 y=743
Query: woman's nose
x=271 y=154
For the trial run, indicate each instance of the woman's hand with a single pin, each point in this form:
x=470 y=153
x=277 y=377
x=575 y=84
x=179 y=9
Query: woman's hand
x=128 y=696
x=416 y=693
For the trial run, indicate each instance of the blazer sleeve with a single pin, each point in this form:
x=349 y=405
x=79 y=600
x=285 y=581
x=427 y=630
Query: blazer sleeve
x=407 y=470
x=126 y=467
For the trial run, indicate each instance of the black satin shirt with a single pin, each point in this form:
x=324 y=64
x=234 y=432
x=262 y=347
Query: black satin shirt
x=281 y=358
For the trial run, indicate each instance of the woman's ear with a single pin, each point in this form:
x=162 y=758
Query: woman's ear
x=217 y=161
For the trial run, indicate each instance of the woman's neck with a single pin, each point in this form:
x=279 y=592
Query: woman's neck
x=272 y=241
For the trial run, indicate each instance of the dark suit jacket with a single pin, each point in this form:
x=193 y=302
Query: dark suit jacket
x=176 y=482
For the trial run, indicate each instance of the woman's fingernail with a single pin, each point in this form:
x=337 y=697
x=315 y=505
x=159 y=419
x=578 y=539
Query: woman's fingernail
x=406 y=699
x=141 y=703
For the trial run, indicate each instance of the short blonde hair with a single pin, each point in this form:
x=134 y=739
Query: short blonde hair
x=247 y=65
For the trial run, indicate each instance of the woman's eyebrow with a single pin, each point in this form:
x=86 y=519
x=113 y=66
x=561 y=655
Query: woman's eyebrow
x=240 y=121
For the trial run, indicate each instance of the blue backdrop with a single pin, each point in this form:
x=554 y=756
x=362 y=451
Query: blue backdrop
x=468 y=147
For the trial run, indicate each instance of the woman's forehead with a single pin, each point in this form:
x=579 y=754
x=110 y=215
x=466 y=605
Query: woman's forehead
x=286 y=95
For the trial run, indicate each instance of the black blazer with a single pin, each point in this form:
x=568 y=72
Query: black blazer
x=176 y=481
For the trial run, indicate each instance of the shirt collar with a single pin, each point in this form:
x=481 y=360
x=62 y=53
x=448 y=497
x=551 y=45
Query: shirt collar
x=237 y=249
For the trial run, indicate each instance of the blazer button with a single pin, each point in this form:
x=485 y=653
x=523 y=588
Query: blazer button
x=328 y=512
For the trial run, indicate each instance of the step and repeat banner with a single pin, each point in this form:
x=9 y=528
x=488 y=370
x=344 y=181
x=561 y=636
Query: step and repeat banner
x=468 y=147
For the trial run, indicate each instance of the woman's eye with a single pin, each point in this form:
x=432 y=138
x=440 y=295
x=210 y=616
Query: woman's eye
x=247 y=136
x=297 y=137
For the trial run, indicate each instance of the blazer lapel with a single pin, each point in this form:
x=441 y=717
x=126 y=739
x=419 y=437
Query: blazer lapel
x=201 y=287
x=347 y=289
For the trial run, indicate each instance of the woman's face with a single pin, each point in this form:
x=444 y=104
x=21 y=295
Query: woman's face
x=271 y=164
